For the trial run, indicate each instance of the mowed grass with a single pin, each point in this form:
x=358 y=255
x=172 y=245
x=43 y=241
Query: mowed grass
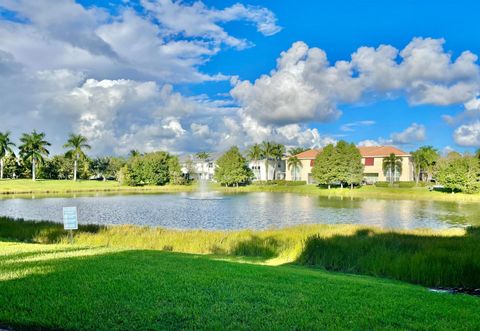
x=432 y=258
x=415 y=193
x=82 y=288
x=27 y=186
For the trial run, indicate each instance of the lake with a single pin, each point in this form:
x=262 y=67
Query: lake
x=243 y=211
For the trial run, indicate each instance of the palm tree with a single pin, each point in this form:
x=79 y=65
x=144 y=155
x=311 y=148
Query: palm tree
x=392 y=164
x=203 y=156
x=295 y=163
x=134 y=153
x=5 y=148
x=278 y=153
x=255 y=154
x=33 y=148
x=268 y=151
x=76 y=143
x=100 y=166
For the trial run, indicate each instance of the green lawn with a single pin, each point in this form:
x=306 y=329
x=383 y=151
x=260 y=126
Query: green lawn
x=448 y=257
x=417 y=193
x=81 y=288
x=26 y=186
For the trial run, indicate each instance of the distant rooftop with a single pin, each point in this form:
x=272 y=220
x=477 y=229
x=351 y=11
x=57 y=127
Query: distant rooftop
x=370 y=151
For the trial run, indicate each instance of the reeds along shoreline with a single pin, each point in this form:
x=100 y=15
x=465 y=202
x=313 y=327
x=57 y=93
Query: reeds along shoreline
x=432 y=258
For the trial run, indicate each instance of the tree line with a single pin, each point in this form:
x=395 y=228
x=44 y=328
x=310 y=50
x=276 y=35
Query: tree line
x=339 y=164
x=34 y=161
x=33 y=153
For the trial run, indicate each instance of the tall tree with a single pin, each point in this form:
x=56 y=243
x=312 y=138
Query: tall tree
x=5 y=149
x=77 y=143
x=268 y=151
x=277 y=155
x=232 y=168
x=391 y=165
x=355 y=166
x=100 y=167
x=424 y=160
x=323 y=166
x=417 y=161
x=134 y=153
x=341 y=162
x=33 y=149
x=459 y=173
x=294 y=164
x=255 y=154
x=203 y=156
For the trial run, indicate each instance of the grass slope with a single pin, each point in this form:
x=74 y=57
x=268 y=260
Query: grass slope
x=65 y=287
x=433 y=258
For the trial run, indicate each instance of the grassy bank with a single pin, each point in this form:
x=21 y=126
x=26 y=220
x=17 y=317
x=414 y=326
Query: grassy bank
x=431 y=258
x=81 y=288
x=415 y=193
x=26 y=186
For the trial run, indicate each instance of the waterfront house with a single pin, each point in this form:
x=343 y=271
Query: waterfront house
x=198 y=169
x=276 y=169
x=372 y=158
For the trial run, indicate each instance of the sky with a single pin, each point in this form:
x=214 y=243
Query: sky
x=188 y=76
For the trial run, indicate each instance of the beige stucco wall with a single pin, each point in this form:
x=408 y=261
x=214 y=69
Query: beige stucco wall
x=377 y=168
x=302 y=172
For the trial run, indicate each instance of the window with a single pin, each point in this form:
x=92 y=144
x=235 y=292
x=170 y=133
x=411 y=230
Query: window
x=395 y=176
x=312 y=162
x=369 y=161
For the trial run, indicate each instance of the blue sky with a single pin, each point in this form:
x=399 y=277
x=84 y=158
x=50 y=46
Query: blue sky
x=340 y=27
x=188 y=76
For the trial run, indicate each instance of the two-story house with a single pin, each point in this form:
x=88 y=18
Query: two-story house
x=372 y=158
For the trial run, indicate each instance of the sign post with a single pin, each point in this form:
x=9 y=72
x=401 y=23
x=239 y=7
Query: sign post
x=70 y=221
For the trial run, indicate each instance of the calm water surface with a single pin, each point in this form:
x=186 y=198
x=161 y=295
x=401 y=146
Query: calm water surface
x=241 y=211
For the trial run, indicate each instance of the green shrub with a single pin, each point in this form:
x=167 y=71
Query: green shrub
x=157 y=168
x=406 y=184
x=382 y=184
x=279 y=182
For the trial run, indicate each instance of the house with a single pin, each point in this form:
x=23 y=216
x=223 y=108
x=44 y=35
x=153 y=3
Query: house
x=276 y=169
x=372 y=158
x=199 y=169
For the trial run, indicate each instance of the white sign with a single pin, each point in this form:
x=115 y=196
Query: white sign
x=70 y=221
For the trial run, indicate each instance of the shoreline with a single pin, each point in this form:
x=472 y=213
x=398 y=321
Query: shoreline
x=356 y=249
x=53 y=188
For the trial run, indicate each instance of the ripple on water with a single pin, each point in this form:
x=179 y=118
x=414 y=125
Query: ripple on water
x=215 y=211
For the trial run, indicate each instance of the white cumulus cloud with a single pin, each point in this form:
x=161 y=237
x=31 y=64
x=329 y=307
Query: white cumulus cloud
x=306 y=87
x=468 y=135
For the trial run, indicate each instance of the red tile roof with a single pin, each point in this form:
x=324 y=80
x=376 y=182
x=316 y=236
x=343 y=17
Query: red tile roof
x=308 y=155
x=371 y=151
x=380 y=151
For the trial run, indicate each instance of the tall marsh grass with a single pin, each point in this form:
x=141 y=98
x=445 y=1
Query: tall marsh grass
x=448 y=257
x=426 y=259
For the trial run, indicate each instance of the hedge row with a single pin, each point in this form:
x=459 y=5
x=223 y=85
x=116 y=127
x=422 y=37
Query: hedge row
x=280 y=182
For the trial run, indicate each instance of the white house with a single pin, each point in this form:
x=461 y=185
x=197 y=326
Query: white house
x=199 y=169
x=276 y=169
